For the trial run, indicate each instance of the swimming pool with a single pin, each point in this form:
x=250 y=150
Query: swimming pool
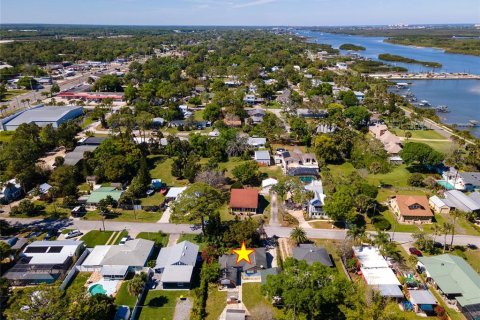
x=447 y=185
x=97 y=289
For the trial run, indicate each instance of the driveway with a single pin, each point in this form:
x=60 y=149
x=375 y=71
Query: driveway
x=183 y=309
x=274 y=210
x=165 y=216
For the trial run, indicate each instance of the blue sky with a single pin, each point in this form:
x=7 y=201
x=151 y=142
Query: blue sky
x=240 y=12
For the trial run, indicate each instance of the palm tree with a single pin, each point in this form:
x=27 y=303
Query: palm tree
x=298 y=235
x=136 y=285
x=455 y=214
x=436 y=229
x=357 y=234
x=381 y=239
x=446 y=229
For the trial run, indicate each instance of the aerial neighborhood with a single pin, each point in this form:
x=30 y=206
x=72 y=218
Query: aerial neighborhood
x=140 y=164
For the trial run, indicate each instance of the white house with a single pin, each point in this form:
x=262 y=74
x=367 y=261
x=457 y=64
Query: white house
x=262 y=157
x=315 y=205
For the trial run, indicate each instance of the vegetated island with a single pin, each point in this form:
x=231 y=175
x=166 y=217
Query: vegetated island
x=459 y=44
x=396 y=58
x=353 y=47
x=375 y=67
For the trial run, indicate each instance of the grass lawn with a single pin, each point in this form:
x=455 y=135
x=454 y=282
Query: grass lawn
x=321 y=224
x=343 y=169
x=160 y=304
x=420 y=134
x=154 y=200
x=198 y=115
x=274 y=171
x=225 y=214
x=195 y=238
x=252 y=298
x=10 y=94
x=157 y=237
x=230 y=164
x=397 y=177
x=94 y=238
x=126 y=216
x=216 y=302
x=123 y=297
x=78 y=282
x=333 y=249
x=163 y=170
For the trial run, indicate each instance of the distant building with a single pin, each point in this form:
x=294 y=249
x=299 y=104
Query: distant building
x=244 y=201
x=44 y=262
x=391 y=143
x=10 y=191
x=42 y=116
x=411 y=209
x=74 y=157
x=91 y=96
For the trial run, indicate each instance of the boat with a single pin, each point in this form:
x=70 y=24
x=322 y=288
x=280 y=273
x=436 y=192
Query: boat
x=442 y=108
x=424 y=103
x=402 y=85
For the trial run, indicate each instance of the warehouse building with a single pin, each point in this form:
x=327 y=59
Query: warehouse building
x=42 y=116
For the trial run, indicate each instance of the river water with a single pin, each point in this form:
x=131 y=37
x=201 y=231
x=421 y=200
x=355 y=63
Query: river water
x=461 y=96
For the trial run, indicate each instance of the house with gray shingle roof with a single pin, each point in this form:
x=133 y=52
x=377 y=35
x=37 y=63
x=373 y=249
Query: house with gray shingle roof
x=230 y=269
x=176 y=264
x=311 y=254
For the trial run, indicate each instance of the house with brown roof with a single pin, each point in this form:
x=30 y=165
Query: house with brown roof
x=411 y=209
x=391 y=143
x=244 y=201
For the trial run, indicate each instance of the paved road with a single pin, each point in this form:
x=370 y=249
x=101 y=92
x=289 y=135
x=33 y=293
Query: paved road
x=136 y=227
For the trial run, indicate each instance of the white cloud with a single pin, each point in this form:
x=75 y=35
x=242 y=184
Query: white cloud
x=253 y=3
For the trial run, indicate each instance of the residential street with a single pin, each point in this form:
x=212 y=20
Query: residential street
x=135 y=227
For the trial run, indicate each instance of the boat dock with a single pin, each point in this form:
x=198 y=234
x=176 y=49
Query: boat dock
x=426 y=76
x=470 y=124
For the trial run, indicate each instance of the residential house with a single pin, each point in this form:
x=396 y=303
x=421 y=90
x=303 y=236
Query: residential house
x=232 y=121
x=267 y=184
x=312 y=114
x=376 y=271
x=176 y=264
x=411 y=209
x=44 y=262
x=460 y=201
x=252 y=99
x=463 y=181
x=92 y=141
x=262 y=157
x=102 y=193
x=297 y=159
x=116 y=261
x=174 y=192
x=257 y=143
x=10 y=191
x=312 y=254
x=423 y=301
x=341 y=66
x=391 y=143
x=456 y=280
x=304 y=173
x=326 y=128
x=438 y=205
x=256 y=115
x=360 y=96
x=231 y=272
x=244 y=201
x=315 y=205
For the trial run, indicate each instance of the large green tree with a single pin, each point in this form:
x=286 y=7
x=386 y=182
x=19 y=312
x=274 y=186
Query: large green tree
x=420 y=153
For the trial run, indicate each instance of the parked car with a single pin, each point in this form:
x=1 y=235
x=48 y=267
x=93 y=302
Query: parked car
x=415 y=252
x=73 y=234
x=123 y=240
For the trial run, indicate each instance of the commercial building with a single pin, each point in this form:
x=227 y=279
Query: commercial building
x=42 y=116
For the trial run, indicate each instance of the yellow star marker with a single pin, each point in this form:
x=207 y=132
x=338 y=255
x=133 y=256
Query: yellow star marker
x=243 y=253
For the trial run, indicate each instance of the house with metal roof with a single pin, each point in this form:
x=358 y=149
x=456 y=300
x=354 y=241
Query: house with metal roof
x=456 y=281
x=44 y=262
x=312 y=254
x=42 y=116
x=439 y=205
x=115 y=261
x=74 y=157
x=176 y=264
x=257 y=143
x=376 y=271
x=262 y=157
x=315 y=205
x=462 y=202
x=102 y=193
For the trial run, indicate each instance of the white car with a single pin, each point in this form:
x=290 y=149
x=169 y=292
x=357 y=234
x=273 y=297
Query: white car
x=73 y=234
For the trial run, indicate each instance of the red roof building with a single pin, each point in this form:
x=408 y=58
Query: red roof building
x=244 y=201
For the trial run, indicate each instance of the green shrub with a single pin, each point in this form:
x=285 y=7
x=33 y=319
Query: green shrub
x=381 y=223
